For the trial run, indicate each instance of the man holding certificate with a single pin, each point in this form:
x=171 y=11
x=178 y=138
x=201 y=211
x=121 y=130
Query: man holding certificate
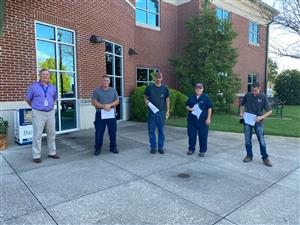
x=252 y=111
x=157 y=99
x=199 y=106
x=105 y=99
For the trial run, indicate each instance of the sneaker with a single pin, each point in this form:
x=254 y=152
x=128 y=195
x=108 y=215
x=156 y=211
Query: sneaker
x=161 y=151
x=97 y=152
x=267 y=162
x=190 y=152
x=37 y=160
x=115 y=151
x=247 y=159
x=153 y=151
x=201 y=154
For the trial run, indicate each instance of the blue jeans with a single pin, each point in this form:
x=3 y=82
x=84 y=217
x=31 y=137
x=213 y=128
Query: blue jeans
x=197 y=127
x=156 y=121
x=100 y=126
x=259 y=130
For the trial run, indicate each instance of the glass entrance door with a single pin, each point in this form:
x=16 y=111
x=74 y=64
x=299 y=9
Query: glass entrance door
x=56 y=51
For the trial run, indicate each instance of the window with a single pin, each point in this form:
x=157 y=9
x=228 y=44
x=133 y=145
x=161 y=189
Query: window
x=253 y=33
x=145 y=76
x=114 y=69
x=55 y=51
x=252 y=78
x=223 y=14
x=147 y=12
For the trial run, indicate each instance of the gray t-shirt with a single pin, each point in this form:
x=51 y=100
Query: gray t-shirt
x=105 y=96
x=157 y=96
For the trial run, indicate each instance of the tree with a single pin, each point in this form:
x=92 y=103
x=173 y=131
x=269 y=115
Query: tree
x=272 y=72
x=288 y=20
x=49 y=63
x=209 y=58
x=287 y=87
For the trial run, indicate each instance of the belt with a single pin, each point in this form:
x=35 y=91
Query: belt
x=43 y=110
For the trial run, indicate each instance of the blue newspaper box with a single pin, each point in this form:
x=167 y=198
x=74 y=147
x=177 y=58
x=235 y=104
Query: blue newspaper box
x=23 y=126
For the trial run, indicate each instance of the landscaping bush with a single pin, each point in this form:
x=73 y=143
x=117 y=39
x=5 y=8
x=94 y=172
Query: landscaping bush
x=180 y=110
x=138 y=110
x=287 y=87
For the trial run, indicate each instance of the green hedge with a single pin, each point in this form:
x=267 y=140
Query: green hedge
x=138 y=110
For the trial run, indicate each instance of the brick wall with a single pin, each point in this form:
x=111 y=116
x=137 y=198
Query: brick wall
x=251 y=58
x=114 y=21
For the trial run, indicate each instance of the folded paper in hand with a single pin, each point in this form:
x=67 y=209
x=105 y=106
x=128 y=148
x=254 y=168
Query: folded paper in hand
x=249 y=118
x=153 y=108
x=107 y=114
x=196 y=111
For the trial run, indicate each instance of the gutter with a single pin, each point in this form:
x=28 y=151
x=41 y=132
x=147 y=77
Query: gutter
x=267 y=56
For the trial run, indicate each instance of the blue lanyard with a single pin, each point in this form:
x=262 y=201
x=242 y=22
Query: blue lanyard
x=44 y=89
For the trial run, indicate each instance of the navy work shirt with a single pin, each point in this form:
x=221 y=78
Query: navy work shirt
x=157 y=96
x=204 y=103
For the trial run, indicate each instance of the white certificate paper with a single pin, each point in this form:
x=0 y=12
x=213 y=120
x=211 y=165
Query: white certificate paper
x=153 y=107
x=197 y=111
x=249 y=118
x=107 y=114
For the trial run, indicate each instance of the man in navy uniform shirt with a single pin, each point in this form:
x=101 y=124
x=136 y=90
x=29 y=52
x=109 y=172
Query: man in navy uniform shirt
x=198 y=125
x=158 y=95
x=256 y=103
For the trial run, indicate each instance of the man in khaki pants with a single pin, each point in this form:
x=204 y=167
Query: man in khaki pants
x=41 y=96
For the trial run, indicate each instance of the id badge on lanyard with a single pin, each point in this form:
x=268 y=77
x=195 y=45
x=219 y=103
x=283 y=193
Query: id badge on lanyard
x=46 y=103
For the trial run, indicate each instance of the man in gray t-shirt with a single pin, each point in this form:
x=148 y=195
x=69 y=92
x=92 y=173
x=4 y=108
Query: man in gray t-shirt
x=256 y=103
x=105 y=99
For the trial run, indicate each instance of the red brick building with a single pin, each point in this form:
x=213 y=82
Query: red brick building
x=135 y=38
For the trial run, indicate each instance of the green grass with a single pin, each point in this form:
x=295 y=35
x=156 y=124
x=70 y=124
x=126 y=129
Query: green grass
x=289 y=125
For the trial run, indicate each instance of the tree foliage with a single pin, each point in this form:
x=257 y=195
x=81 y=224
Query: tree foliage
x=209 y=58
x=287 y=87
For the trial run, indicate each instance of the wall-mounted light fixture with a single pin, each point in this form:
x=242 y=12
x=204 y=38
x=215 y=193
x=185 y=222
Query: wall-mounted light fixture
x=96 y=39
x=132 y=52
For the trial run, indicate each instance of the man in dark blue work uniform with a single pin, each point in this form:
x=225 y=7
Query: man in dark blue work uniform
x=157 y=95
x=198 y=124
x=257 y=104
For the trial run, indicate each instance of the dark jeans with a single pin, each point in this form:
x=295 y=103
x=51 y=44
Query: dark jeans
x=259 y=130
x=100 y=126
x=156 y=121
x=201 y=129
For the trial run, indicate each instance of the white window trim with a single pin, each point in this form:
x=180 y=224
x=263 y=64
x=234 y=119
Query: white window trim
x=146 y=25
x=229 y=13
x=251 y=32
x=252 y=74
x=59 y=71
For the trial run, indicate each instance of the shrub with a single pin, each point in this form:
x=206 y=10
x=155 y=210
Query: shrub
x=180 y=110
x=138 y=110
x=3 y=126
x=287 y=87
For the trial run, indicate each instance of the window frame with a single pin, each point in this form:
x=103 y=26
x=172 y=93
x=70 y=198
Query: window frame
x=251 y=83
x=251 y=33
x=57 y=71
x=223 y=10
x=146 y=10
x=147 y=82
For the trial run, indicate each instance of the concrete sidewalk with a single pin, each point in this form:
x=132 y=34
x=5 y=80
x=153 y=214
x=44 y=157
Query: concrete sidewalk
x=136 y=187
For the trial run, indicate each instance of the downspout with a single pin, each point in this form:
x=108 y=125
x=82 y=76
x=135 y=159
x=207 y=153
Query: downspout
x=1 y=17
x=266 y=57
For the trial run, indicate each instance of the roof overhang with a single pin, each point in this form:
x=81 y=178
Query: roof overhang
x=254 y=10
